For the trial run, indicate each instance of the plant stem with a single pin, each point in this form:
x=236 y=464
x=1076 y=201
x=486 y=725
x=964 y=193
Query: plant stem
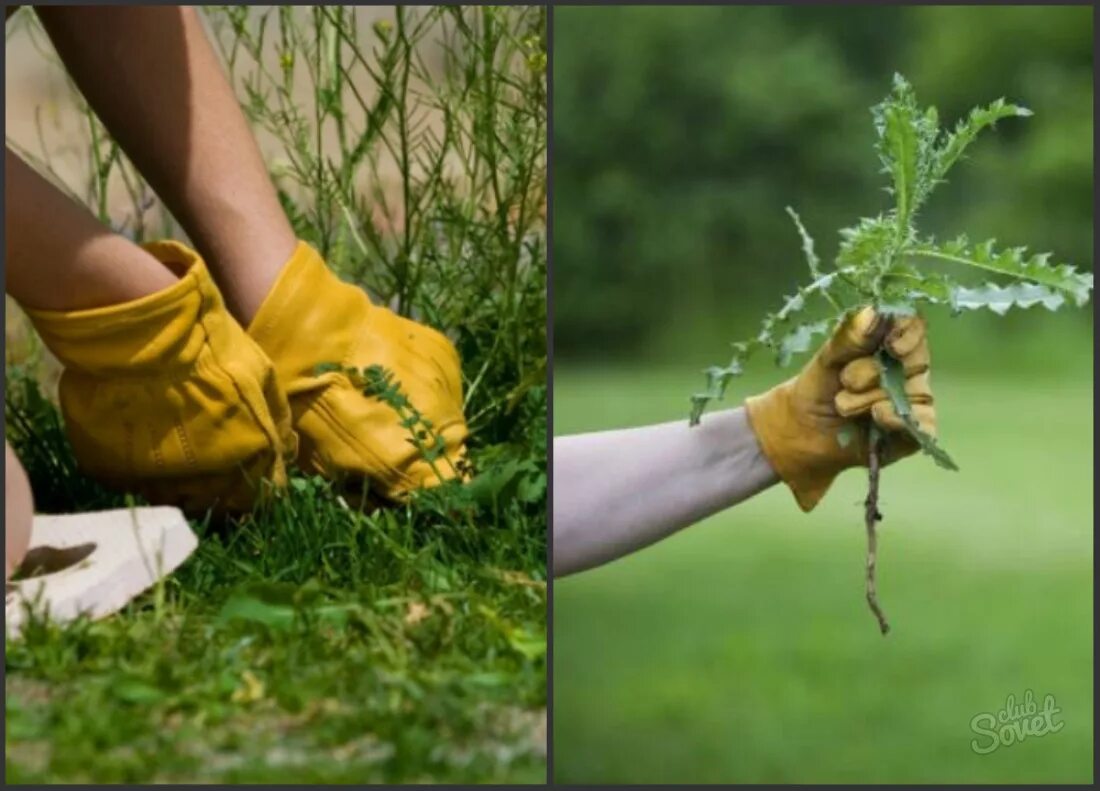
x=405 y=292
x=871 y=516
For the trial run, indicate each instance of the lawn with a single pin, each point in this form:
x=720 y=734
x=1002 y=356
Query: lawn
x=306 y=643
x=741 y=650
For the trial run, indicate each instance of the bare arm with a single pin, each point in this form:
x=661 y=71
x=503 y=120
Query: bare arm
x=618 y=491
x=151 y=75
x=59 y=257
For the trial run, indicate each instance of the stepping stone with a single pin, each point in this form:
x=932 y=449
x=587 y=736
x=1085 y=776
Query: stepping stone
x=96 y=563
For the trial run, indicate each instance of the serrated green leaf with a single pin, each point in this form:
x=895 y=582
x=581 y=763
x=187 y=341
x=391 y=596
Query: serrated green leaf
x=892 y=378
x=718 y=377
x=907 y=147
x=796 y=302
x=1000 y=299
x=900 y=140
x=930 y=446
x=865 y=248
x=799 y=340
x=909 y=284
x=733 y=369
x=767 y=337
x=1011 y=262
x=792 y=306
x=807 y=245
x=699 y=403
x=968 y=129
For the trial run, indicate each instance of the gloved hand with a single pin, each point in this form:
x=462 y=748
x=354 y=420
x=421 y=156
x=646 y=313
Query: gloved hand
x=166 y=396
x=796 y=423
x=311 y=317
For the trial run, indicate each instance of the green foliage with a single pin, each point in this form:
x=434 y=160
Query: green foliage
x=881 y=261
x=378 y=382
x=1035 y=273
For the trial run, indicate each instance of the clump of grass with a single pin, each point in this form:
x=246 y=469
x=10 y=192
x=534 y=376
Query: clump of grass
x=312 y=640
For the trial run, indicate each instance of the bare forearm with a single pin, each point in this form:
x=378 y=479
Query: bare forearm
x=618 y=491
x=59 y=257
x=154 y=80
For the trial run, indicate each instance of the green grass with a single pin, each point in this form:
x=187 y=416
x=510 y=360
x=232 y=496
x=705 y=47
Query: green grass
x=310 y=641
x=741 y=650
x=390 y=647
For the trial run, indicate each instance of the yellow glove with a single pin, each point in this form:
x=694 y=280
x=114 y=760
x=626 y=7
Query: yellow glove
x=796 y=423
x=311 y=317
x=166 y=396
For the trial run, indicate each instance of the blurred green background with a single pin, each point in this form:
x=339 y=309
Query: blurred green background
x=741 y=650
x=681 y=133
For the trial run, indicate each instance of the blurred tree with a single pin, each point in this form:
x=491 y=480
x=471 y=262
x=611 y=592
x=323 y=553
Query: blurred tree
x=681 y=133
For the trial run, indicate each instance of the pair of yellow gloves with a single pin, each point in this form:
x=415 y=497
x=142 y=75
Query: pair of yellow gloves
x=170 y=397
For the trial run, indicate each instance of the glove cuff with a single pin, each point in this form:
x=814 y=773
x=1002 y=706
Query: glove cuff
x=782 y=441
x=153 y=333
x=306 y=311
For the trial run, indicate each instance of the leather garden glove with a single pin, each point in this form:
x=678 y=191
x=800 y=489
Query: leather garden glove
x=796 y=423
x=167 y=397
x=311 y=318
